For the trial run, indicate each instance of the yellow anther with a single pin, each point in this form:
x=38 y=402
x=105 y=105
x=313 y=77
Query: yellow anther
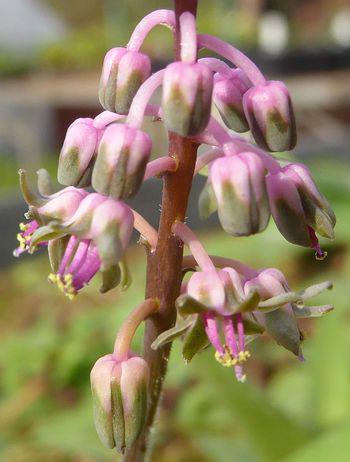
x=227 y=359
x=65 y=284
x=23 y=227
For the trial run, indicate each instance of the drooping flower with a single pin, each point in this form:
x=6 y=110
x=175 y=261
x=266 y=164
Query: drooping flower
x=123 y=73
x=100 y=231
x=119 y=391
x=121 y=161
x=228 y=98
x=280 y=308
x=58 y=206
x=186 y=100
x=238 y=182
x=229 y=309
x=298 y=208
x=270 y=115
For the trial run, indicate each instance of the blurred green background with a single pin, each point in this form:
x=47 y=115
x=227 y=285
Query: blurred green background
x=287 y=411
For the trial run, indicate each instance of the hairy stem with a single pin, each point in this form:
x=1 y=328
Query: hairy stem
x=165 y=264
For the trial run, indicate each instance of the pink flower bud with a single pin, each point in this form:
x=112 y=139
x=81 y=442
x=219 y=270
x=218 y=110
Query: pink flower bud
x=77 y=154
x=228 y=98
x=270 y=115
x=298 y=208
x=123 y=73
x=186 y=101
x=238 y=182
x=121 y=161
x=119 y=392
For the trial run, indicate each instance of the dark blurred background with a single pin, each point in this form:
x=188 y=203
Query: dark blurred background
x=50 y=58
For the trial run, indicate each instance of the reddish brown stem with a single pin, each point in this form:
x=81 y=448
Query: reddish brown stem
x=164 y=266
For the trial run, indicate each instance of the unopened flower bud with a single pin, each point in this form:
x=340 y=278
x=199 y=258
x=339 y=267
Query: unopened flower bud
x=228 y=98
x=239 y=185
x=119 y=392
x=186 y=102
x=121 y=161
x=77 y=154
x=298 y=208
x=270 y=115
x=122 y=74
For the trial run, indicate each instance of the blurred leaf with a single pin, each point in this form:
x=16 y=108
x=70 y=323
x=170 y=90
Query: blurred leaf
x=272 y=433
x=333 y=444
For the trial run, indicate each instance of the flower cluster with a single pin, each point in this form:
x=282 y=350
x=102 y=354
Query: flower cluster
x=224 y=303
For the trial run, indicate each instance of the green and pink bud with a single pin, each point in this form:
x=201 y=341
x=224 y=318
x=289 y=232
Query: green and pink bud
x=239 y=186
x=121 y=161
x=186 y=100
x=123 y=72
x=119 y=392
x=78 y=153
x=228 y=98
x=270 y=115
x=298 y=208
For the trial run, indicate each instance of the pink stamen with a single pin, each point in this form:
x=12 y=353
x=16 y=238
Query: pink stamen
x=68 y=254
x=240 y=331
x=320 y=254
x=230 y=336
x=212 y=332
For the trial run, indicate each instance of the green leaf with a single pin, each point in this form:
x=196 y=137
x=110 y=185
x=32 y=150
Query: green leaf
x=333 y=444
x=271 y=432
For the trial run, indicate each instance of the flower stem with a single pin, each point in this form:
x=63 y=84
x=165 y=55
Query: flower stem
x=164 y=268
x=191 y=240
x=160 y=166
x=216 y=65
x=146 y=230
x=127 y=330
x=221 y=262
x=140 y=102
x=207 y=157
x=188 y=37
x=231 y=53
x=163 y=17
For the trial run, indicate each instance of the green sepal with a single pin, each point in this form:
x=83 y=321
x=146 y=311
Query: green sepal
x=46 y=233
x=315 y=290
x=250 y=303
x=195 y=339
x=312 y=311
x=207 y=203
x=282 y=327
x=273 y=303
x=31 y=197
x=111 y=277
x=187 y=305
x=56 y=249
x=118 y=422
x=252 y=328
x=126 y=278
x=45 y=186
x=171 y=334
